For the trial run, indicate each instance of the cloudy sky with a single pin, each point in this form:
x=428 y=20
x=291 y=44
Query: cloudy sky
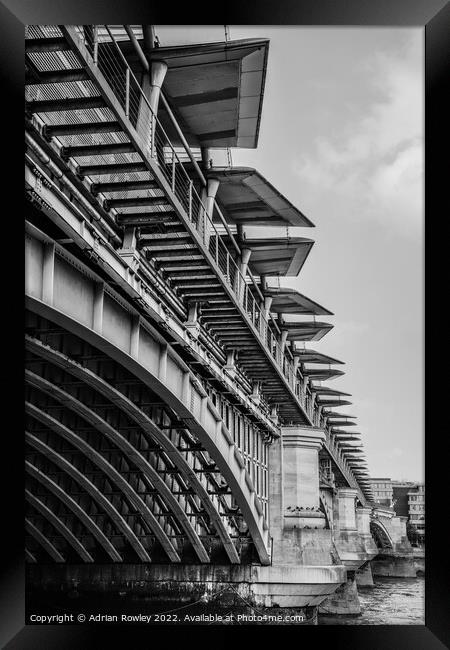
x=342 y=137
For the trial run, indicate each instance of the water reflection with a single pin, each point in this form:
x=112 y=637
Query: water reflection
x=392 y=601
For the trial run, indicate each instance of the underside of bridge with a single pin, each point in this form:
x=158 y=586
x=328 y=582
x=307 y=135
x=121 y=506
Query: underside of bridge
x=121 y=474
x=172 y=424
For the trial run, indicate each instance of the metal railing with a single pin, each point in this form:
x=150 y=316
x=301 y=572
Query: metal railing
x=109 y=59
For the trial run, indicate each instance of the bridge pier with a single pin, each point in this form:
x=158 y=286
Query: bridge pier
x=344 y=601
x=352 y=530
x=355 y=547
x=394 y=566
x=364 y=576
x=395 y=560
x=302 y=548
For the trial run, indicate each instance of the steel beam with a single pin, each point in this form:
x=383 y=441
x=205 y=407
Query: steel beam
x=130 y=452
x=146 y=424
x=69 y=104
x=80 y=129
x=114 y=476
x=134 y=202
x=43 y=541
x=68 y=535
x=47 y=44
x=57 y=491
x=38 y=77
x=96 y=150
x=123 y=186
x=144 y=219
x=93 y=491
x=114 y=168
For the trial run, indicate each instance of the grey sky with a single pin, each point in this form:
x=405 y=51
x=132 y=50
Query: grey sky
x=342 y=137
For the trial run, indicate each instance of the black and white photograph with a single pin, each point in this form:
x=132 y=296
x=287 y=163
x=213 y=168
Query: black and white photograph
x=224 y=326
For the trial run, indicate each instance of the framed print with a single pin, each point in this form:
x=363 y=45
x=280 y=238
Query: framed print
x=226 y=232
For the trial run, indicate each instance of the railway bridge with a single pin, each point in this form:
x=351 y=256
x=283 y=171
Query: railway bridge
x=180 y=442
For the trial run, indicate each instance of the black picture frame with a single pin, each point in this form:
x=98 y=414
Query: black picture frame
x=434 y=16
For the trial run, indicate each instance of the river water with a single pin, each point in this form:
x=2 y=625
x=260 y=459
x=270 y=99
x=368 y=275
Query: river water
x=391 y=601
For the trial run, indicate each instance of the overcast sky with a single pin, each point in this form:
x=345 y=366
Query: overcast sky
x=342 y=137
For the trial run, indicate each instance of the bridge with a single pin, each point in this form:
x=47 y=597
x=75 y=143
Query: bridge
x=176 y=433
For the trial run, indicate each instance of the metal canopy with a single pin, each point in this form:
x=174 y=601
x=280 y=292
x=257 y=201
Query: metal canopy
x=343 y=424
x=246 y=197
x=215 y=89
x=311 y=356
x=291 y=301
x=346 y=435
x=333 y=402
x=306 y=331
x=277 y=256
x=336 y=414
x=324 y=390
x=322 y=373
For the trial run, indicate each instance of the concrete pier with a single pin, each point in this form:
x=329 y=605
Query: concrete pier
x=394 y=566
x=344 y=601
x=364 y=576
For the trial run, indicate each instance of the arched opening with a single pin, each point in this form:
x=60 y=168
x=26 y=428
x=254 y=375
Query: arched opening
x=380 y=535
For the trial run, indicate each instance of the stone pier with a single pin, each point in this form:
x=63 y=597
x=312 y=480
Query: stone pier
x=398 y=560
x=302 y=545
x=344 y=601
x=364 y=576
x=392 y=565
x=355 y=547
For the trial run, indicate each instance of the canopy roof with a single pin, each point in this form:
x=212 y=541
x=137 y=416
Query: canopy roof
x=290 y=301
x=278 y=255
x=322 y=373
x=340 y=435
x=215 y=89
x=341 y=424
x=324 y=390
x=346 y=435
x=336 y=414
x=246 y=197
x=333 y=402
x=311 y=356
x=306 y=331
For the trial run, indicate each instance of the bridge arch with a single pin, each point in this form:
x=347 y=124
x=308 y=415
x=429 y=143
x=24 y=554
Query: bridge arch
x=115 y=478
x=130 y=452
x=92 y=490
x=381 y=534
x=50 y=516
x=324 y=506
x=135 y=345
x=146 y=424
x=62 y=496
x=43 y=541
